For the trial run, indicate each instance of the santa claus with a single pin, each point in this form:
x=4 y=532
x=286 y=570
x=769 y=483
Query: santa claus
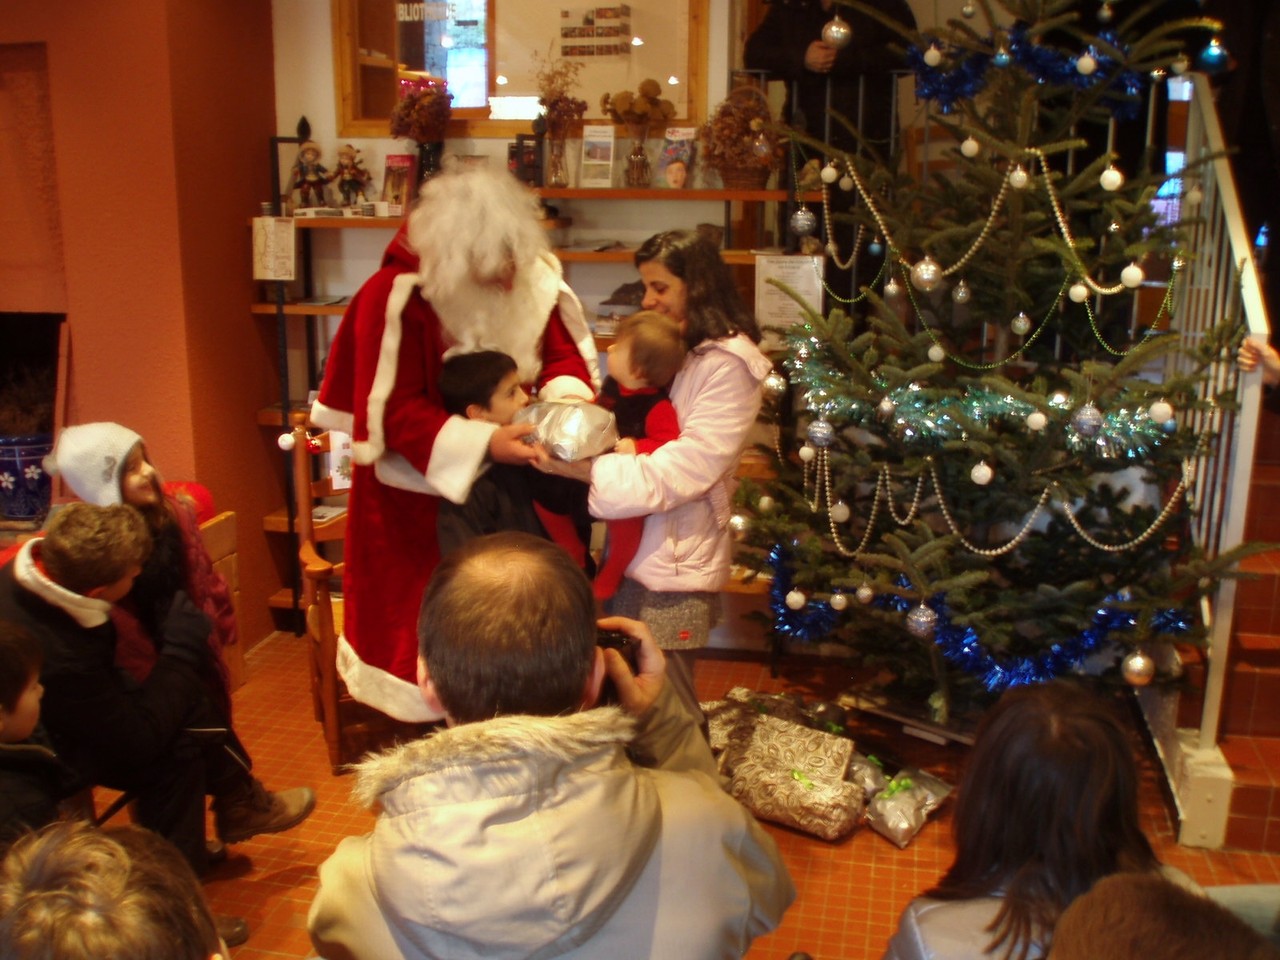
x=470 y=270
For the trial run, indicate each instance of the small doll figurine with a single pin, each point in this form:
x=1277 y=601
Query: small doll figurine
x=351 y=175
x=310 y=176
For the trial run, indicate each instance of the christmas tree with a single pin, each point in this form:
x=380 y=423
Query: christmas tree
x=982 y=457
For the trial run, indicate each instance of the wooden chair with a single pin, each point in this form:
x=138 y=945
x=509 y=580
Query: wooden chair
x=351 y=728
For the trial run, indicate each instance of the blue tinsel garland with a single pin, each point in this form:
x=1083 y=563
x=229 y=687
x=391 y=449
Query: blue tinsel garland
x=1048 y=65
x=961 y=645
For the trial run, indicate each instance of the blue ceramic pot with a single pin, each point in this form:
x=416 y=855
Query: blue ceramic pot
x=25 y=487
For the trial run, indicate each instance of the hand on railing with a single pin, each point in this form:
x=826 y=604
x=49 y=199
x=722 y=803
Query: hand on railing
x=1252 y=353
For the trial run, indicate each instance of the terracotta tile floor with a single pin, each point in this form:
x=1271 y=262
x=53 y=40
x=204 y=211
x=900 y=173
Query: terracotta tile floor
x=850 y=893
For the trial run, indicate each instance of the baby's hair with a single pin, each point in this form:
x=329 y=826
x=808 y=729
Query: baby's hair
x=657 y=346
x=20 y=660
x=468 y=378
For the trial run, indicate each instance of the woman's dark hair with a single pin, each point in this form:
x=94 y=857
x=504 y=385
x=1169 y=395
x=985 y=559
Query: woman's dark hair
x=1047 y=805
x=713 y=306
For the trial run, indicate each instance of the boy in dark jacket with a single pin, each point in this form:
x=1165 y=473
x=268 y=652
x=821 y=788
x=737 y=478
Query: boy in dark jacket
x=33 y=781
x=163 y=740
x=485 y=385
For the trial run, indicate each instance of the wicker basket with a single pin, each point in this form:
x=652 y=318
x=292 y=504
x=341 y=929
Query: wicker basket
x=745 y=178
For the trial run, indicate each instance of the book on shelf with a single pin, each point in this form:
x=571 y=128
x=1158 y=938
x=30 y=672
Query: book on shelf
x=399 y=176
x=675 y=164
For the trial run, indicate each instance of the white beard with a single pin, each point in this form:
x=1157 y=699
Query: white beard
x=489 y=318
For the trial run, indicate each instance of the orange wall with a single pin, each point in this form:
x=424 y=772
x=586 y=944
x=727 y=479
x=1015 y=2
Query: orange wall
x=161 y=110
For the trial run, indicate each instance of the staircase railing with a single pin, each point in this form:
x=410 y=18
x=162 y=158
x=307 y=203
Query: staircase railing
x=1221 y=280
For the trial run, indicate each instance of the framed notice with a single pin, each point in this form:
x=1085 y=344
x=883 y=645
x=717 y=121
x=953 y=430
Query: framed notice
x=597 y=156
x=800 y=274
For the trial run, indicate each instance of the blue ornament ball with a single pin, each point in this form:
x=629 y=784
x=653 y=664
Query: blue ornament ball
x=1087 y=420
x=1170 y=426
x=1214 y=58
x=821 y=433
x=1002 y=58
x=875 y=248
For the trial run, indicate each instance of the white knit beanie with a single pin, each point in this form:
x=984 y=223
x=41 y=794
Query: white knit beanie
x=90 y=457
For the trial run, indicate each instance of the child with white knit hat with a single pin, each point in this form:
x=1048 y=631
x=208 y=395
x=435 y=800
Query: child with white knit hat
x=106 y=464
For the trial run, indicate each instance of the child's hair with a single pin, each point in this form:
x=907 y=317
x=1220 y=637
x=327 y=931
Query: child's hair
x=1133 y=916
x=1047 y=805
x=657 y=346
x=87 y=547
x=20 y=660
x=468 y=378
x=74 y=892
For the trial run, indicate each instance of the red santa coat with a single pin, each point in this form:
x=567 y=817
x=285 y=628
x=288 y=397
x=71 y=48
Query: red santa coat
x=380 y=385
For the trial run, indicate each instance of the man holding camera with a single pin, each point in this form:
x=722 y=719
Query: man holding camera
x=538 y=824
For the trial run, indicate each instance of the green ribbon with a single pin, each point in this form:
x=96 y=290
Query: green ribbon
x=799 y=777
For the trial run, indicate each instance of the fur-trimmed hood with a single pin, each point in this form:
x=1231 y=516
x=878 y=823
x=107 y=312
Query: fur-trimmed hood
x=516 y=837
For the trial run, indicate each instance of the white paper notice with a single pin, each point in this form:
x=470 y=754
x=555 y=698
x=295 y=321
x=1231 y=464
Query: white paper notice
x=273 y=246
x=774 y=307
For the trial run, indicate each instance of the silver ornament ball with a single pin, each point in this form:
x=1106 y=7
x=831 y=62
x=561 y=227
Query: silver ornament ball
x=1020 y=325
x=886 y=407
x=840 y=512
x=961 y=293
x=1037 y=421
x=836 y=33
x=970 y=147
x=830 y=173
x=803 y=222
x=937 y=354
x=1160 y=411
x=921 y=620
x=765 y=504
x=1019 y=178
x=821 y=433
x=932 y=56
x=1078 y=293
x=807 y=454
x=981 y=474
x=1086 y=64
x=775 y=386
x=1132 y=276
x=968 y=11
x=286 y=442
x=796 y=600
x=839 y=601
x=738 y=526
x=926 y=274
x=1111 y=179
x=846 y=183
x=865 y=593
x=1138 y=668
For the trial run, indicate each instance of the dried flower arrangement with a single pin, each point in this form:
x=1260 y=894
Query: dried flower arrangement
x=641 y=108
x=556 y=79
x=423 y=110
x=738 y=138
x=26 y=402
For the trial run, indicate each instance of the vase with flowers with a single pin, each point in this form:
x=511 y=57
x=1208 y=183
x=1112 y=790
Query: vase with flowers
x=422 y=114
x=560 y=110
x=638 y=111
x=738 y=143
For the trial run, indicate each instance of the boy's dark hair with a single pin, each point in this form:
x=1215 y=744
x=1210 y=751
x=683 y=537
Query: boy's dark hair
x=657 y=346
x=20 y=659
x=78 y=893
x=508 y=626
x=86 y=546
x=468 y=378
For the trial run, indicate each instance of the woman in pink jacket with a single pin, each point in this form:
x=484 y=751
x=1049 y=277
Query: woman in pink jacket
x=684 y=489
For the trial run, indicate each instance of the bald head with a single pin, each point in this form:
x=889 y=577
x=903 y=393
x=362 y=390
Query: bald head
x=508 y=626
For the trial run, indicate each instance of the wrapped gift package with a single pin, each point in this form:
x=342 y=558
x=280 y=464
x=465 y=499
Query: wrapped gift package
x=571 y=431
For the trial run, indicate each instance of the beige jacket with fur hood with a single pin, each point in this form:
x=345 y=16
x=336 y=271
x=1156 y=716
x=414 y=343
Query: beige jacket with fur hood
x=538 y=837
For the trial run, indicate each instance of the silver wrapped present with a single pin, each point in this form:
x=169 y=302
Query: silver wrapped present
x=571 y=431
